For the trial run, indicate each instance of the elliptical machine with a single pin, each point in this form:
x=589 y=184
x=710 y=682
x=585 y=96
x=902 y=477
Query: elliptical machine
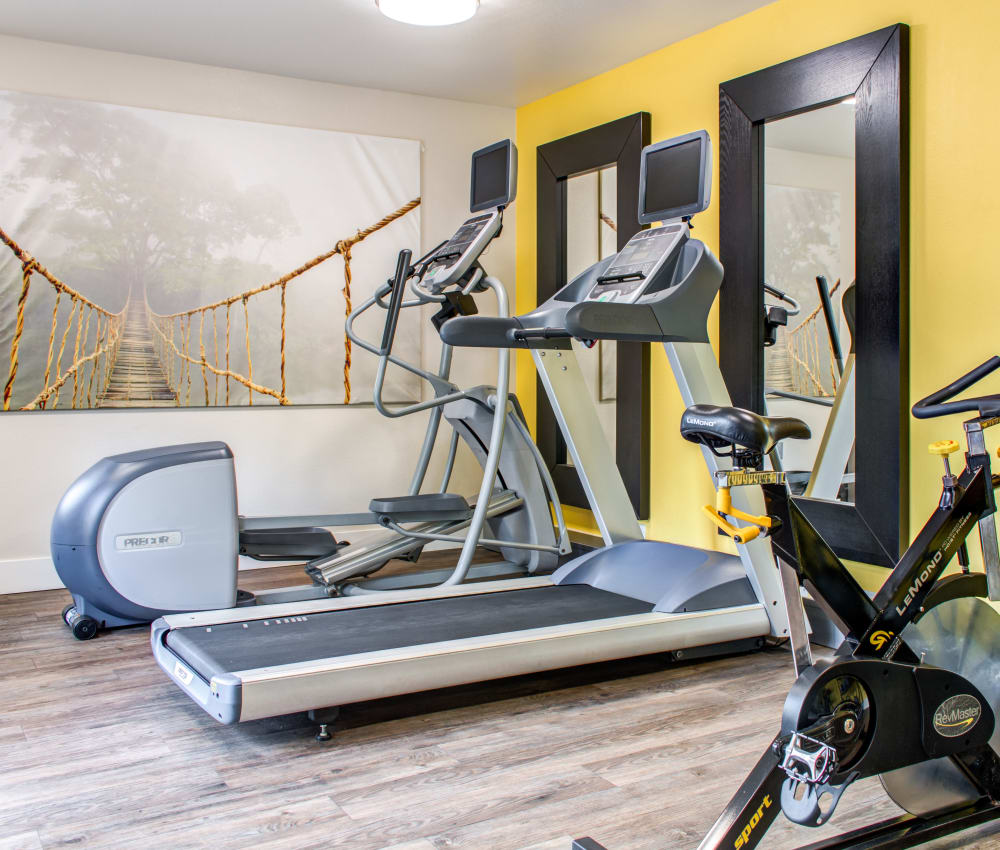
x=156 y=532
x=911 y=695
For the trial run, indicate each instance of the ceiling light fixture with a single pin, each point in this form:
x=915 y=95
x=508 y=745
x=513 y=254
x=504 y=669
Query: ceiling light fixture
x=428 y=13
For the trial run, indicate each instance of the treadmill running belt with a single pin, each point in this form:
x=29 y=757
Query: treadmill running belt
x=251 y=644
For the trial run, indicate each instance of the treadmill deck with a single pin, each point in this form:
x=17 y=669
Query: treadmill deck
x=255 y=643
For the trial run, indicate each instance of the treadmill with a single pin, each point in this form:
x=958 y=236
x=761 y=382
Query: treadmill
x=631 y=598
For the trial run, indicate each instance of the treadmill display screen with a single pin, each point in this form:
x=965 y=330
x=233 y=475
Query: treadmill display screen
x=673 y=177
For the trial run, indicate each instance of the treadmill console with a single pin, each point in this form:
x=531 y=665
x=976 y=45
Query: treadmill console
x=674 y=184
x=493 y=187
x=637 y=263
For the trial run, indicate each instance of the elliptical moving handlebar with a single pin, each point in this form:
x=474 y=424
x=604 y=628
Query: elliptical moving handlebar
x=793 y=305
x=395 y=301
x=937 y=404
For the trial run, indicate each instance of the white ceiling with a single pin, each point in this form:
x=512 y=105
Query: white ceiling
x=510 y=53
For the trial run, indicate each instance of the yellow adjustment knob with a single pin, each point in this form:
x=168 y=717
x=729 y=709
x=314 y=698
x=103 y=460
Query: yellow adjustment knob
x=943 y=447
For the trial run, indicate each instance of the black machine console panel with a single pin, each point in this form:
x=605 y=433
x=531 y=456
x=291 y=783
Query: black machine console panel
x=636 y=265
x=459 y=253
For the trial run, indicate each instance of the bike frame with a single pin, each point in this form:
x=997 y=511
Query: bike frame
x=872 y=629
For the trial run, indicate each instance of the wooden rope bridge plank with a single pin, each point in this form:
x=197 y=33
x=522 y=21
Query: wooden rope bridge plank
x=137 y=377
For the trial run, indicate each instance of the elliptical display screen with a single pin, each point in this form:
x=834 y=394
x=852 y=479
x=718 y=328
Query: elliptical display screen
x=675 y=178
x=494 y=175
x=490 y=179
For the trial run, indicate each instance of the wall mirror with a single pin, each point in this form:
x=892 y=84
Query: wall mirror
x=808 y=268
x=588 y=186
x=592 y=235
x=813 y=310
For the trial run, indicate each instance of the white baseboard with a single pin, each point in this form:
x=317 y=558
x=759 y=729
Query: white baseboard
x=29 y=574
x=26 y=574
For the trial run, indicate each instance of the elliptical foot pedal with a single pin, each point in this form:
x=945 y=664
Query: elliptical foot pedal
x=423 y=507
x=289 y=544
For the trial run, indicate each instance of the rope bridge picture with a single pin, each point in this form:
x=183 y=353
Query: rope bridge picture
x=803 y=361
x=135 y=357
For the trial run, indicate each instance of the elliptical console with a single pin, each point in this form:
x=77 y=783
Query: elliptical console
x=494 y=186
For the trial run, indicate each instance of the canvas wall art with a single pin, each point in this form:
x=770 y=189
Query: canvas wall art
x=160 y=259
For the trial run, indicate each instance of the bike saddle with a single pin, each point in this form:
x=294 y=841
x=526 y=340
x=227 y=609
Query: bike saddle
x=718 y=427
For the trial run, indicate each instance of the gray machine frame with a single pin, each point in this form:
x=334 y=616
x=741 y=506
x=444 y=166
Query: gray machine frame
x=501 y=444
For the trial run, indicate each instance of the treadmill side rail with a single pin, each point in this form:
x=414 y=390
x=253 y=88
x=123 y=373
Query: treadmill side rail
x=221 y=698
x=289 y=688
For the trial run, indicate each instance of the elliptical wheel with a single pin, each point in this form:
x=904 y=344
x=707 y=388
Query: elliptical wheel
x=963 y=636
x=82 y=626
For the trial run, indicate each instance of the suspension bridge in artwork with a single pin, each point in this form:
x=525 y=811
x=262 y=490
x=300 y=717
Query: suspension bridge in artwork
x=802 y=362
x=136 y=357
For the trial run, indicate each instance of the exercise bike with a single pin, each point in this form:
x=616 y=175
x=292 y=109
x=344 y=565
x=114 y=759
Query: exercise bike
x=911 y=692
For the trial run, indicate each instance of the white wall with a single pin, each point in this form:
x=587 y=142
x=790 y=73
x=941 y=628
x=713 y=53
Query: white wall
x=818 y=171
x=288 y=460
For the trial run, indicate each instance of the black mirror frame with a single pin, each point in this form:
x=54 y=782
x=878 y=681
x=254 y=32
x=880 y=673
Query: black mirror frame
x=874 y=68
x=617 y=143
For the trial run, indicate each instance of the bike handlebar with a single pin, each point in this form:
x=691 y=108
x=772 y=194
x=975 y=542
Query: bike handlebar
x=937 y=404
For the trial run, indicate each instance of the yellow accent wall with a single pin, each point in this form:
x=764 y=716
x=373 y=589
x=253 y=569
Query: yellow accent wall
x=954 y=191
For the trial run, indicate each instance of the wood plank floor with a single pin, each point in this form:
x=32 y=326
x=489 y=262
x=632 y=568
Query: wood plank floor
x=99 y=749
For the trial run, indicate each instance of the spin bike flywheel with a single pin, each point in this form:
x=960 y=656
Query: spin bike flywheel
x=963 y=636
